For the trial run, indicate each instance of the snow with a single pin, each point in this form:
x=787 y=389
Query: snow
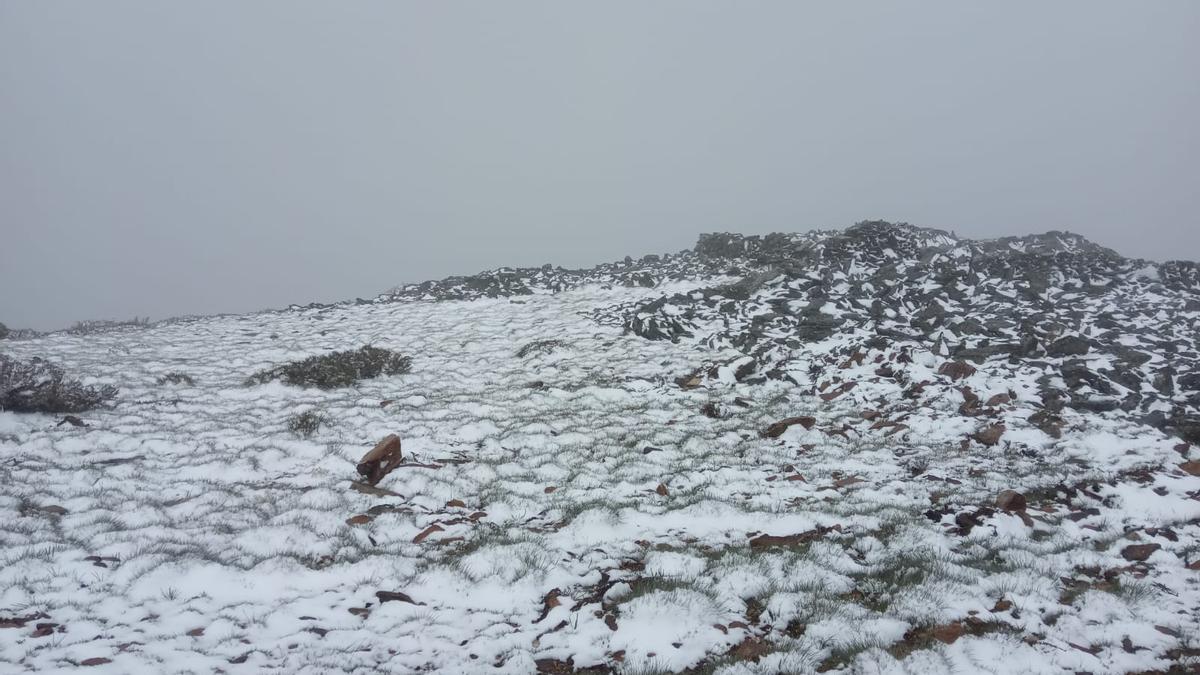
x=206 y=513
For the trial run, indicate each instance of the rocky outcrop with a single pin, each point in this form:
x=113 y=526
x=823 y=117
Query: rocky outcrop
x=1100 y=333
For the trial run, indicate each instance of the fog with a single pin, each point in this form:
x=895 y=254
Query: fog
x=160 y=159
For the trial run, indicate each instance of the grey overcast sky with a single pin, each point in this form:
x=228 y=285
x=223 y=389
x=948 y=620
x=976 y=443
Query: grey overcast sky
x=175 y=158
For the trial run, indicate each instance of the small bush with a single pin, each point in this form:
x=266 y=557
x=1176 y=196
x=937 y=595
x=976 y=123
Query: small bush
x=540 y=347
x=40 y=386
x=107 y=325
x=177 y=378
x=336 y=369
x=306 y=423
x=22 y=334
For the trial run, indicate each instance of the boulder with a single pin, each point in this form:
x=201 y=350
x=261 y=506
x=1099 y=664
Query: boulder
x=776 y=430
x=1049 y=422
x=1164 y=381
x=1188 y=427
x=1095 y=404
x=990 y=435
x=957 y=370
x=999 y=399
x=385 y=456
x=396 y=596
x=1011 y=500
x=763 y=541
x=1139 y=552
x=1189 y=382
x=949 y=633
x=1076 y=374
x=1071 y=345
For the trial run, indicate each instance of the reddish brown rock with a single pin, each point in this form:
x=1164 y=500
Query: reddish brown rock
x=750 y=649
x=776 y=430
x=662 y=490
x=998 y=399
x=957 y=370
x=360 y=519
x=555 y=666
x=550 y=602
x=1050 y=423
x=990 y=435
x=425 y=533
x=767 y=540
x=397 y=596
x=841 y=389
x=949 y=633
x=384 y=457
x=1011 y=500
x=1192 y=467
x=1139 y=552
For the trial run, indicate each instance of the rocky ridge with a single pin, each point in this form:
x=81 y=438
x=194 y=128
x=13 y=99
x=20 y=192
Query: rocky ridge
x=1098 y=332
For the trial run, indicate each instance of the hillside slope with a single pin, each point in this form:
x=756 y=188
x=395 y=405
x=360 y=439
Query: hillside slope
x=883 y=449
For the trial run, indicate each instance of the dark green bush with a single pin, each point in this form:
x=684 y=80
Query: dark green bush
x=540 y=347
x=336 y=369
x=306 y=423
x=40 y=386
x=177 y=378
x=107 y=325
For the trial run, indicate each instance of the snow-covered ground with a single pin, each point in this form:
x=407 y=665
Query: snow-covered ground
x=575 y=508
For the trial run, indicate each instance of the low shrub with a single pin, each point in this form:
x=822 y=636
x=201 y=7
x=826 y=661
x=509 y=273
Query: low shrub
x=177 y=378
x=540 y=347
x=336 y=369
x=306 y=423
x=107 y=325
x=40 y=386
